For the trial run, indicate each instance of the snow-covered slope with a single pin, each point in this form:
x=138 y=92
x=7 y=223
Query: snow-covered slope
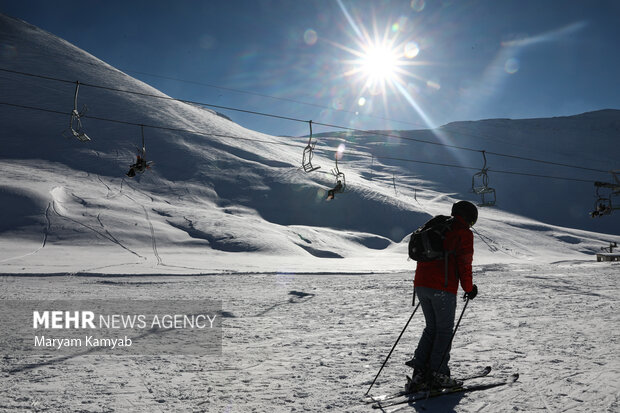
x=223 y=198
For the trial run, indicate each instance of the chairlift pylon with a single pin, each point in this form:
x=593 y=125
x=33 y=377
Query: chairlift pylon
x=341 y=182
x=75 y=123
x=480 y=185
x=306 y=161
x=141 y=163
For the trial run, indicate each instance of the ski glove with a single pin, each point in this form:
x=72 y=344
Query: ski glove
x=472 y=294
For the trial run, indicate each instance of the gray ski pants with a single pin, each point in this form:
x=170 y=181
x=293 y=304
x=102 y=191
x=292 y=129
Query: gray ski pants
x=439 y=308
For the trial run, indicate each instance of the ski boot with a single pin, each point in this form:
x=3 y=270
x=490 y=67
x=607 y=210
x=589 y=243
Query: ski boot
x=440 y=380
x=418 y=382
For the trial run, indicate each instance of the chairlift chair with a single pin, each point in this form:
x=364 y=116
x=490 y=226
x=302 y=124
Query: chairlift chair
x=603 y=204
x=488 y=197
x=480 y=185
x=75 y=124
x=141 y=163
x=480 y=182
x=341 y=183
x=306 y=161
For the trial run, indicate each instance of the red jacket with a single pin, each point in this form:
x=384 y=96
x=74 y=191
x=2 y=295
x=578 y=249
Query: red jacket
x=432 y=274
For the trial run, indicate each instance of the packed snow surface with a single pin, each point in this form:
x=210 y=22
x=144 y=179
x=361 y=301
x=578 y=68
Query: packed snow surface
x=315 y=342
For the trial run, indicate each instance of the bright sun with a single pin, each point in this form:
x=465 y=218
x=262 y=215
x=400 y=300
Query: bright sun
x=379 y=64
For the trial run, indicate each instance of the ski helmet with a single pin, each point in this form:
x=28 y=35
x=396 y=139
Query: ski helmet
x=465 y=210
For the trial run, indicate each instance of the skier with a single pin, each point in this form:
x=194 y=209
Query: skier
x=601 y=210
x=140 y=166
x=332 y=192
x=436 y=285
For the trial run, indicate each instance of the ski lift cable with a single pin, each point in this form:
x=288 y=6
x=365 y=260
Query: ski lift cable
x=523 y=158
x=359 y=154
x=271 y=115
x=446 y=127
x=449 y=127
x=245 y=92
x=301 y=120
x=262 y=95
x=367 y=155
x=374 y=133
x=161 y=127
x=471 y=168
x=163 y=97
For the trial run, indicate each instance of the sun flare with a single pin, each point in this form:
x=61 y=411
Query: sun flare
x=379 y=63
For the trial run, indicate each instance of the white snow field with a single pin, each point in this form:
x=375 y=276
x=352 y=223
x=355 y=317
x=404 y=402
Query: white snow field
x=314 y=342
x=314 y=293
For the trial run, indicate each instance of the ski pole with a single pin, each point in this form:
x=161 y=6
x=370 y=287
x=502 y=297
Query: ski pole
x=393 y=347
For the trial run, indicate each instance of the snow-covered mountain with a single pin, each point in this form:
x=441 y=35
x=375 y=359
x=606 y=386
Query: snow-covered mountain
x=223 y=198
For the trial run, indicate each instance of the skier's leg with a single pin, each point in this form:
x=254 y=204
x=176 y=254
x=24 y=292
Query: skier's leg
x=444 y=307
x=425 y=345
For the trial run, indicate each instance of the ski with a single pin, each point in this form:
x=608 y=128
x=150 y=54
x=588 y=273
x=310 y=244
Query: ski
x=372 y=399
x=423 y=395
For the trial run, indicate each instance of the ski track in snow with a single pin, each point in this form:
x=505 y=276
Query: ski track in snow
x=105 y=235
x=315 y=342
x=45 y=235
x=151 y=229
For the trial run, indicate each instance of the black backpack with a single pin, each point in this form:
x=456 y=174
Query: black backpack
x=426 y=243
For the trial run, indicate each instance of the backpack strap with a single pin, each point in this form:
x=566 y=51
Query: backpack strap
x=447 y=254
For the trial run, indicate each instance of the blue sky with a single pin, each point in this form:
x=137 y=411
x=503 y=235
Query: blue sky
x=363 y=64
